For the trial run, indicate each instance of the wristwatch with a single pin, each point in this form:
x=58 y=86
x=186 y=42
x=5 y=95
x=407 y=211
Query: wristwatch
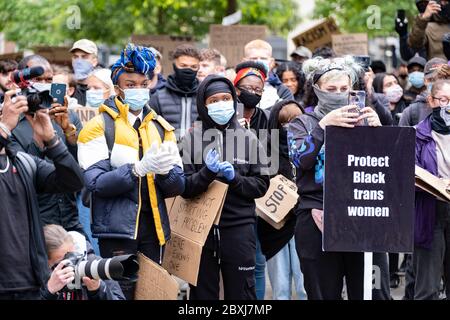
x=71 y=131
x=5 y=129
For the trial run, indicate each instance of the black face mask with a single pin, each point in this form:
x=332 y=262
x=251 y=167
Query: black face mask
x=185 y=76
x=250 y=100
x=437 y=123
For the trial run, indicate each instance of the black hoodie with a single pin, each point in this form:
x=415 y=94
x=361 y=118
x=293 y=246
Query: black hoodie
x=249 y=182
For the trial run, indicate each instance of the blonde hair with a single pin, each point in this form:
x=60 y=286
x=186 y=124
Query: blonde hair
x=55 y=237
x=332 y=69
x=258 y=44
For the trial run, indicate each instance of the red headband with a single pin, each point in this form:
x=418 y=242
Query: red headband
x=249 y=72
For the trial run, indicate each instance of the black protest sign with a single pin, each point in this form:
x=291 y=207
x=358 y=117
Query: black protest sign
x=369 y=189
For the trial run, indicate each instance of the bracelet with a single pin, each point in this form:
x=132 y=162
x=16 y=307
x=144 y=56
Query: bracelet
x=5 y=129
x=52 y=143
x=73 y=131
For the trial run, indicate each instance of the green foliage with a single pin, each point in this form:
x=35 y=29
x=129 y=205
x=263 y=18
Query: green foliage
x=355 y=16
x=32 y=22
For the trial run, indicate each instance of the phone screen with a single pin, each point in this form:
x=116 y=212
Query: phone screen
x=358 y=98
x=58 y=91
x=240 y=111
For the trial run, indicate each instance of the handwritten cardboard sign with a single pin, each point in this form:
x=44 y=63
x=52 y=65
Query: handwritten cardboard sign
x=85 y=113
x=190 y=222
x=432 y=184
x=317 y=36
x=154 y=283
x=353 y=44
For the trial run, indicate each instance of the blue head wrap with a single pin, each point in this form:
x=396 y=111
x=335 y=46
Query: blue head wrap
x=134 y=59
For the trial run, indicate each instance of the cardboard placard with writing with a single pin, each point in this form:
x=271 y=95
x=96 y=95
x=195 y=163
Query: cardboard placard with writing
x=279 y=199
x=56 y=55
x=231 y=40
x=190 y=223
x=317 y=36
x=154 y=283
x=368 y=189
x=274 y=224
x=165 y=44
x=352 y=44
x=85 y=113
x=432 y=184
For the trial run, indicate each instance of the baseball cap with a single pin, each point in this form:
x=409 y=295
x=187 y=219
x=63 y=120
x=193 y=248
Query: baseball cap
x=417 y=60
x=432 y=66
x=85 y=45
x=302 y=52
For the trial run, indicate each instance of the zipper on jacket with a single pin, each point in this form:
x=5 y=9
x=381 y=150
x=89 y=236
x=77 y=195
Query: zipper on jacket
x=139 y=195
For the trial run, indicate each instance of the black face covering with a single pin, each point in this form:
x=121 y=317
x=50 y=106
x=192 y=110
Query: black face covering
x=437 y=123
x=185 y=77
x=250 y=100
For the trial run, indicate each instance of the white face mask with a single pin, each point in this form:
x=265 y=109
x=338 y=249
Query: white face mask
x=394 y=93
x=42 y=86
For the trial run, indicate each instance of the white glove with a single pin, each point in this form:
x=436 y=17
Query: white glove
x=151 y=162
x=172 y=149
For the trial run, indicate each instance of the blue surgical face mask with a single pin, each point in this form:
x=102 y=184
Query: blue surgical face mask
x=221 y=112
x=40 y=87
x=417 y=79
x=94 y=97
x=82 y=68
x=136 y=98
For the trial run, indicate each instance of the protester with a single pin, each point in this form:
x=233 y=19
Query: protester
x=157 y=82
x=100 y=87
x=55 y=208
x=274 y=90
x=230 y=246
x=58 y=243
x=406 y=52
x=84 y=60
x=24 y=264
x=131 y=164
x=7 y=67
x=325 y=52
x=62 y=75
x=210 y=63
x=301 y=54
x=378 y=66
x=176 y=102
x=293 y=78
x=388 y=85
x=430 y=27
x=416 y=79
x=278 y=246
x=431 y=215
x=324 y=271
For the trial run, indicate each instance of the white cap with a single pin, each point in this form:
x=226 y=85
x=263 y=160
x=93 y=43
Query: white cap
x=85 y=45
x=104 y=75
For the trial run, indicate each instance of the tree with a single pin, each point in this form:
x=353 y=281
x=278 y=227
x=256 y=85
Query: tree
x=30 y=22
x=363 y=15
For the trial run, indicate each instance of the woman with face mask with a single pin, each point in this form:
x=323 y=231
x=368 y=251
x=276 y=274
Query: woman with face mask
x=230 y=154
x=432 y=243
x=100 y=87
x=388 y=85
x=324 y=272
x=290 y=73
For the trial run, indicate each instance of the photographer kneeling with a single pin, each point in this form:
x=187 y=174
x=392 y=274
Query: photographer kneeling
x=58 y=243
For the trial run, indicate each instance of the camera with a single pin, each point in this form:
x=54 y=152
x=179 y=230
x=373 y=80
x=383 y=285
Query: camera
x=124 y=267
x=37 y=100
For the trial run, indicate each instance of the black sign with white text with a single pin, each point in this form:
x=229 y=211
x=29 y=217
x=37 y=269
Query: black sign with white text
x=369 y=189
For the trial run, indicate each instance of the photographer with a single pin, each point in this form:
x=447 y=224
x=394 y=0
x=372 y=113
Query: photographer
x=55 y=208
x=59 y=242
x=21 y=177
x=430 y=27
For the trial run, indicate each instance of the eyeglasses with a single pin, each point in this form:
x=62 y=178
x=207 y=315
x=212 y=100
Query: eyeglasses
x=443 y=102
x=257 y=91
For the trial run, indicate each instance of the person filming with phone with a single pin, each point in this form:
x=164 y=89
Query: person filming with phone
x=59 y=208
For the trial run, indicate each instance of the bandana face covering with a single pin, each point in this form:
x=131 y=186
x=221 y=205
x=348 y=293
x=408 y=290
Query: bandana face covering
x=329 y=101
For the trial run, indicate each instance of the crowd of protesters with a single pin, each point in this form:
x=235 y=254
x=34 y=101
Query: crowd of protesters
x=103 y=184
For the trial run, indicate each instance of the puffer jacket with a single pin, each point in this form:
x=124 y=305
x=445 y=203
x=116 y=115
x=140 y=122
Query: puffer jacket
x=416 y=112
x=116 y=191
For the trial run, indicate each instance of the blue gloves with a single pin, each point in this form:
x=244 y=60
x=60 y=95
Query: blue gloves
x=212 y=161
x=227 y=170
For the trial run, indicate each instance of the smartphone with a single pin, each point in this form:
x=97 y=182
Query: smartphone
x=58 y=91
x=363 y=61
x=240 y=111
x=401 y=14
x=358 y=98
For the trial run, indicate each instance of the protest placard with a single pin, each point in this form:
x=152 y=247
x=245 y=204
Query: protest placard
x=319 y=35
x=85 y=113
x=350 y=44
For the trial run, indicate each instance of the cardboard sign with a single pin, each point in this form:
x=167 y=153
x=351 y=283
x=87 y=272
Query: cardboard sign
x=154 y=283
x=190 y=222
x=369 y=189
x=275 y=225
x=352 y=44
x=231 y=40
x=12 y=56
x=85 y=113
x=281 y=197
x=55 y=55
x=432 y=184
x=165 y=45
x=317 y=36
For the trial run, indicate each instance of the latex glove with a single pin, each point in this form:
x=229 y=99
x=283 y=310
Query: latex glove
x=151 y=162
x=172 y=149
x=212 y=161
x=227 y=170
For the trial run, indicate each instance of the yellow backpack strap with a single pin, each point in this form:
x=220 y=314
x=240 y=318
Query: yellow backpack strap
x=167 y=126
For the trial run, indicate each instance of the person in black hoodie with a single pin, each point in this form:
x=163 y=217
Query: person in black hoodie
x=388 y=84
x=230 y=246
x=176 y=102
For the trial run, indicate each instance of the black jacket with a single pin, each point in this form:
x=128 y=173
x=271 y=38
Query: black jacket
x=56 y=208
x=380 y=104
x=176 y=105
x=249 y=183
x=109 y=289
x=40 y=176
x=80 y=94
x=416 y=112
